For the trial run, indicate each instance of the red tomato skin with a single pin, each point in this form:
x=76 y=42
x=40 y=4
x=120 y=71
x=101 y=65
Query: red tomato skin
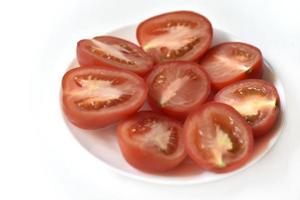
x=196 y=56
x=93 y=121
x=259 y=129
x=142 y=159
x=211 y=96
x=86 y=59
x=173 y=112
x=190 y=152
x=256 y=72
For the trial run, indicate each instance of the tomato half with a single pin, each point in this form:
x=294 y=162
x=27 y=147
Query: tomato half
x=181 y=35
x=256 y=100
x=217 y=138
x=94 y=97
x=177 y=87
x=151 y=142
x=113 y=52
x=229 y=62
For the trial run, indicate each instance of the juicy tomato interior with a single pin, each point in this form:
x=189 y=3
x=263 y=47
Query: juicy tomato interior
x=178 y=87
x=179 y=35
x=95 y=94
x=113 y=52
x=151 y=142
x=256 y=100
x=229 y=62
x=156 y=135
x=96 y=91
x=217 y=138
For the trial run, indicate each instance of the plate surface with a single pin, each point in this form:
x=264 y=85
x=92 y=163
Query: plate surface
x=103 y=145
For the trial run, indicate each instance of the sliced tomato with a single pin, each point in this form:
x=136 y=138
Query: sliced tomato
x=177 y=87
x=181 y=35
x=151 y=142
x=113 y=52
x=256 y=100
x=94 y=97
x=218 y=138
x=229 y=62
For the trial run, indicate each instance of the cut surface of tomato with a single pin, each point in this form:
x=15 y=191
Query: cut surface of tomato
x=229 y=62
x=181 y=35
x=256 y=100
x=217 y=138
x=151 y=142
x=177 y=87
x=94 y=97
x=113 y=52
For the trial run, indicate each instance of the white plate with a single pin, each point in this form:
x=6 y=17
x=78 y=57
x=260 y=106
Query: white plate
x=103 y=145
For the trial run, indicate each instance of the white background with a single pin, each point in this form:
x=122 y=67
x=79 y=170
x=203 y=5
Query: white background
x=34 y=166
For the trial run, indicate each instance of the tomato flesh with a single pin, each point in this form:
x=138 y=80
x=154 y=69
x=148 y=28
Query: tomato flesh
x=256 y=100
x=229 y=62
x=181 y=35
x=177 y=88
x=113 y=52
x=151 y=142
x=217 y=138
x=94 y=97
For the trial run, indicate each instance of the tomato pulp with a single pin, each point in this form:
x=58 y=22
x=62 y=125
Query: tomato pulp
x=177 y=88
x=229 y=62
x=256 y=100
x=151 y=142
x=181 y=35
x=113 y=52
x=217 y=138
x=94 y=97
